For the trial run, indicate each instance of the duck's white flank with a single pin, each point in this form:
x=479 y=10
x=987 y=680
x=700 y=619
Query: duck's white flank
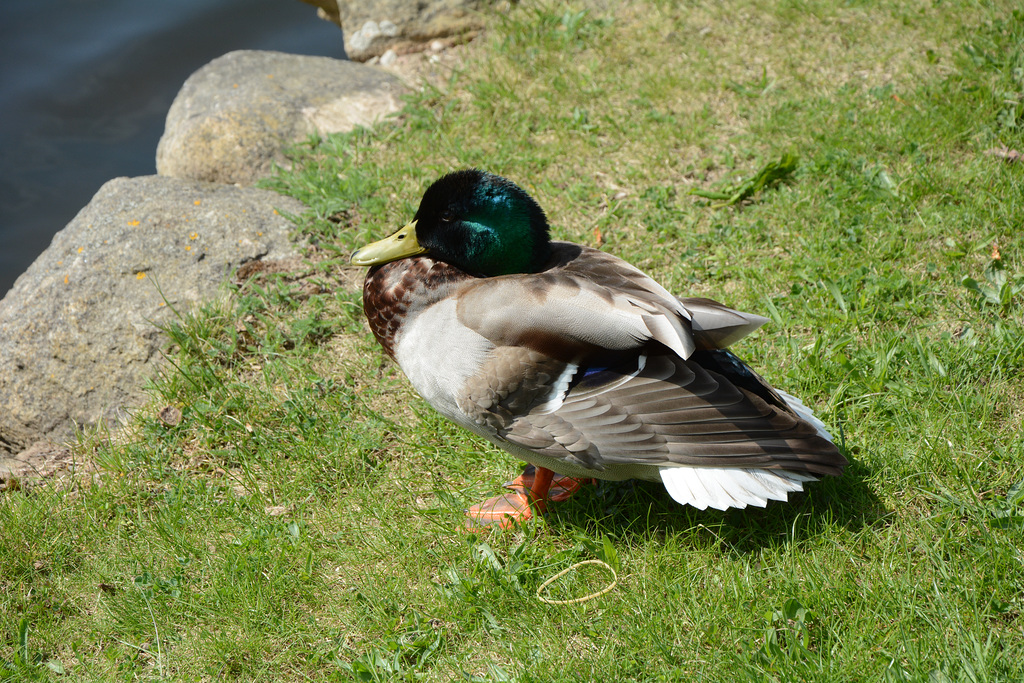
x=438 y=355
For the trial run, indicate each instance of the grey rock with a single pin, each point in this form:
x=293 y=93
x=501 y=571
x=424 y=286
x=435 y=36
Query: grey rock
x=364 y=38
x=233 y=117
x=373 y=28
x=78 y=331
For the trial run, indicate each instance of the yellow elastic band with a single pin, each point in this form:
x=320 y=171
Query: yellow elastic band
x=615 y=581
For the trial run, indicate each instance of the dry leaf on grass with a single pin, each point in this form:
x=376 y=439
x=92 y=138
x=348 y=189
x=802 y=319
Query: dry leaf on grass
x=170 y=416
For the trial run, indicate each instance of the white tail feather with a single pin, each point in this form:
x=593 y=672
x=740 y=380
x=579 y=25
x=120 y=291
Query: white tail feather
x=729 y=487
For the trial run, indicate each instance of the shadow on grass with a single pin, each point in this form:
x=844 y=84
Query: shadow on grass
x=642 y=510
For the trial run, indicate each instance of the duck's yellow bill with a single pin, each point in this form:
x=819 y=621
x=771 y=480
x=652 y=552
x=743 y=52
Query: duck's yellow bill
x=403 y=243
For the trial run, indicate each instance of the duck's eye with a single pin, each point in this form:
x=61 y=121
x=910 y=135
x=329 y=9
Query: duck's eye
x=448 y=216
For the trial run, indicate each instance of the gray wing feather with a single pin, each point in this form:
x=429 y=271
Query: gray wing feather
x=716 y=326
x=667 y=424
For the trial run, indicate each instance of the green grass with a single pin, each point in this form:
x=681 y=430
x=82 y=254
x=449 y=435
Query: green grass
x=302 y=521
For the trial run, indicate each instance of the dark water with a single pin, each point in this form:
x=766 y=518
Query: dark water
x=85 y=86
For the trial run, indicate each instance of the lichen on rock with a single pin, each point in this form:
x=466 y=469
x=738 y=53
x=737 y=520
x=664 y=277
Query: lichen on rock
x=80 y=328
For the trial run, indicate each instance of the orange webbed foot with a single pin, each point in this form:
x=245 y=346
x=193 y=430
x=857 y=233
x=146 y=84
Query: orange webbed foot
x=529 y=494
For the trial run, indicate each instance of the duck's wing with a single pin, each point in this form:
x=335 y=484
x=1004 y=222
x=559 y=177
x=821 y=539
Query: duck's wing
x=669 y=411
x=575 y=375
x=712 y=325
x=588 y=302
x=716 y=326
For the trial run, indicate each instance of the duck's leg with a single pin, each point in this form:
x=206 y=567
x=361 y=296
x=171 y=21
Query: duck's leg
x=541 y=487
x=562 y=487
x=529 y=493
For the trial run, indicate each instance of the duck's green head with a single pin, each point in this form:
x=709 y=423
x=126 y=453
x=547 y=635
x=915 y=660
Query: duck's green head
x=479 y=222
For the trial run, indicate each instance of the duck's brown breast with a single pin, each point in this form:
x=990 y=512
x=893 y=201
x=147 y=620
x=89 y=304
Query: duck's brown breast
x=395 y=291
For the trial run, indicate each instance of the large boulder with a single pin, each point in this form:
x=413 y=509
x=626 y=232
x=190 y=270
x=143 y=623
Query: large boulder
x=78 y=331
x=233 y=117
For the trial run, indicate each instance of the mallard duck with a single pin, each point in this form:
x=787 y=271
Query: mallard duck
x=577 y=362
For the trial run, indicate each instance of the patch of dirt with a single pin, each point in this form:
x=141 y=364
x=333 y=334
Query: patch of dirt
x=41 y=459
